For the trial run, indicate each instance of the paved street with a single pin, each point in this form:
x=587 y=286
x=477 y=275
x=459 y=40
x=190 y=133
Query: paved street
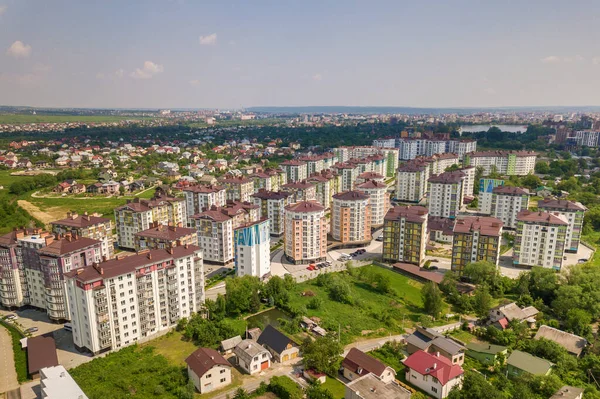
x=374 y=343
x=8 y=375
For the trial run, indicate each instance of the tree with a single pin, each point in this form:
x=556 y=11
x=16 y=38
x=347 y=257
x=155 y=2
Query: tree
x=241 y=393
x=482 y=301
x=578 y=322
x=242 y=294
x=481 y=272
x=339 y=290
x=316 y=391
x=475 y=386
x=276 y=288
x=322 y=354
x=541 y=167
x=432 y=299
x=479 y=171
x=531 y=181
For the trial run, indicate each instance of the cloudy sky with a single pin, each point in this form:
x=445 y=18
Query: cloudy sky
x=231 y=54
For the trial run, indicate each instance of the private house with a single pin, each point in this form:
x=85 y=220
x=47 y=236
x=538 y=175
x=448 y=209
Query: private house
x=62 y=187
x=357 y=364
x=252 y=357
x=433 y=373
x=522 y=362
x=282 y=348
x=574 y=344
x=208 y=370
x=486 y=354
x=370 y=387
x=501 y=315
x=568 y=392
x=430 y=341
x=77 y=189
x=228 y=345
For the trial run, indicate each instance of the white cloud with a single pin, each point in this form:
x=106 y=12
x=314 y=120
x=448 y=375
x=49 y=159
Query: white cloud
x=119 y=73
x=552 y=59
x=2 y=10
x=317 y=76
x=148 y=71
x=195 y=82
x=208 y=40
x=19 y=50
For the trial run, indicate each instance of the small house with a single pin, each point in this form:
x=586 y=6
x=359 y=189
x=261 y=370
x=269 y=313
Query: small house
x=252 y=357
x=433 y=373
x=280 y=345
x=485 y=353
x=523 y=363
x=568 y=392
x=574 y=344
x=208 y=370
x=228 y=345
x=357 y=364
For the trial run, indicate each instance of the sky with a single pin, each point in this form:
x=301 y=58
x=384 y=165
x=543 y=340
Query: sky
x=234 y=54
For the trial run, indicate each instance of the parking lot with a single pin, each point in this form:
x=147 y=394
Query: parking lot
x=68 y=356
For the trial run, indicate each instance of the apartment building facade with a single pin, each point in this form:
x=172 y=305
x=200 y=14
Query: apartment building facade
x=486 y=190
x=574 y=212
x=201 y=197
x=90 y=226
x=161 y=236
x=405 y=234
x=446 y=192
x=301 y=191
x=253 y=249
x=118 y=302
x=305 y=237
x=295 y=170
x=507 y=202
x=351 y=217
x=540 y=239
x=510 y=163
x=411 y=182
x=238 y=188
x=379 y=200
x=476 y=239
x=215 y=235
x=272 y=206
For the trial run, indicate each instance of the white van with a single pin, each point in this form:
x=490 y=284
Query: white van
x=68 y=327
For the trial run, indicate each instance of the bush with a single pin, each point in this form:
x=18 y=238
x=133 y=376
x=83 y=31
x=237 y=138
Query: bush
x=315 y=303
x=285 y=388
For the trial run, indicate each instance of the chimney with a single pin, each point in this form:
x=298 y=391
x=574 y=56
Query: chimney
x=149 y=255
x=435 y=366
x=79 y=271
x=437 y=354
x=49 y=240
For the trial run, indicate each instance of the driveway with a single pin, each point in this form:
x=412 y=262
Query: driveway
x=8 y=375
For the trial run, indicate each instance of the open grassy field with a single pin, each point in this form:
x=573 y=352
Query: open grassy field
x=372 y=312
x=29 y=118
x=335 y=387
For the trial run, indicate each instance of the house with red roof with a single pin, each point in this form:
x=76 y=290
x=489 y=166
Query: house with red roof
x=433 y=373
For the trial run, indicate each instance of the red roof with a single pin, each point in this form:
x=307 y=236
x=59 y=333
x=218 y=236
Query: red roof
x=503 y=323
x=305 y=207
x=436 y=366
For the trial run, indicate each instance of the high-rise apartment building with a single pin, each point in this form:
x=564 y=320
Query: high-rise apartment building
x=574 y=213
x=301 y=191
x=201 y=197
x=272 y=206
x=253 y=249
x=295 y=170
x=411 y=181
x=118 y=302
x=486 y=189
x=405 y=234
x=540 y=239
x=215 y=235
x=90 y=226
x=446 y=194
x=507 y=202
x=351 y=217
x=238 y=188
x=510 y=163
x=305 y=238
x=379 y=200
x=476 y=239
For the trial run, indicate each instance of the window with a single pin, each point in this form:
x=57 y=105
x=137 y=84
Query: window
x=434 y=389
x=222 y=379
x=208 y=375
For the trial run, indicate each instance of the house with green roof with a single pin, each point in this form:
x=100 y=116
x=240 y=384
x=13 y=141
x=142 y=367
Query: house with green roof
x=485 y=353
x=521 y=362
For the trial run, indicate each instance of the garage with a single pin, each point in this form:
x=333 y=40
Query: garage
x=285 y=358
x=264 y=365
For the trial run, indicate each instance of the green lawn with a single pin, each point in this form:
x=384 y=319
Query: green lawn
x=335 y=387
x=372 y=311
x=173 y=347
x=463 y=336
x=29 y=118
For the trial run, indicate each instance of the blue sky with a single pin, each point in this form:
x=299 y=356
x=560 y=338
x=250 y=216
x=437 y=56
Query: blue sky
x=231 y=54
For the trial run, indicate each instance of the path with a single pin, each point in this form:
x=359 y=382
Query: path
x=374 y=343
x=8 y=375
x=37 y=213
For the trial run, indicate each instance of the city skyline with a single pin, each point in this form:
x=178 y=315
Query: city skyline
x=178 y=54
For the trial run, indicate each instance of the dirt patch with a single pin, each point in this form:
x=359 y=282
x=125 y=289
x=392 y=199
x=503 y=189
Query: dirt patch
x=45 y=217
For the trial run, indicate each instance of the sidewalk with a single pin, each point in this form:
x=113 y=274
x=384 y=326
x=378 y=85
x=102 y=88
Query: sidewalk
x=8 y=374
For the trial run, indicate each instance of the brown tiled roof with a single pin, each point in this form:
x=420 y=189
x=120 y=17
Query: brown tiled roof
x=67 y=245
x=360 y=363
x=236 y=180
x=414 y=214
x=508 y=190
x=263 y=194
x=437 y=223
x=487 y=226
x=293 y=163
x=163 y=232
x=215 y=213
x=561 y=204
x=301 y=185
x=448 y=177
x=41 y=352
x=416 y=271
x=412 y=167
x=204 y=359
x=204 y=188
x=540 y=217
x=11 y=238
x=372 y=184
x=370 y=175
x=84 y=220
x=305 y=207
x=446 y=155
x=128 y=264
x=351 y=196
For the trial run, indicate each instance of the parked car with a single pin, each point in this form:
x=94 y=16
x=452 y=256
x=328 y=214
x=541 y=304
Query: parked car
x=31 y=329
x=582 y=260
x=361 y=251
x=11 y=317
x=380 y=238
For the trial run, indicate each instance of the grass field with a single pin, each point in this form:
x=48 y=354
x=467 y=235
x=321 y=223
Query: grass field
x=367 y=315
x=29 y=118
x=335 y=387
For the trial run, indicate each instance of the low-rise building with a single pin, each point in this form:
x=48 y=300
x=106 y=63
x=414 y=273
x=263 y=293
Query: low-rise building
x=485 y=353
x=357 y=364
x=476 y=239
x=57 y=383
x=208 y=370
x=252 y=357
x=282 y=348
x=519 y=363
x=433 y=373
x=501 y=315
x=441 y=229
x=405 y=234
x=574 y=344
x=540 y=239
x=370 y=387
x=431 y=341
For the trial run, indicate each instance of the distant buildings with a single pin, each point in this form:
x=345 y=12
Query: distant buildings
x=411 y=148
x=476 y=239
x=305 y=238
x=405 y=234
x=510 y=163
x=118 y=302
x=351 y=217
x=540 y=239
x=252 y=249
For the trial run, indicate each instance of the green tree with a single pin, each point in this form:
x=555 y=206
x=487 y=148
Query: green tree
x=316 y=391
x=578 y=321
x=432 y=299
x=322 y=354
x=241 y=393
x=482 y=301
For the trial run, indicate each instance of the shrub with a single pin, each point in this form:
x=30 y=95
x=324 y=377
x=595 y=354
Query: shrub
x=285 y=388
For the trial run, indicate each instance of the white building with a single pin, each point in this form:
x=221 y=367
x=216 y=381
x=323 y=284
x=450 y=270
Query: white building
x=272 y=206
x=446 y=194
x=201 y=197
x=540 y=239
x=486 y=189
x=433 y=373
x=411 y=181
x=118 y=302
x=385 y=143
x=252 y=357
x=379 y=200
x=589 y=138
x=208 y=370
x=574 y=212
x=57 y=383
x=295 y=170
x=252 y=249
x=507 y=202
x=510 y=163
